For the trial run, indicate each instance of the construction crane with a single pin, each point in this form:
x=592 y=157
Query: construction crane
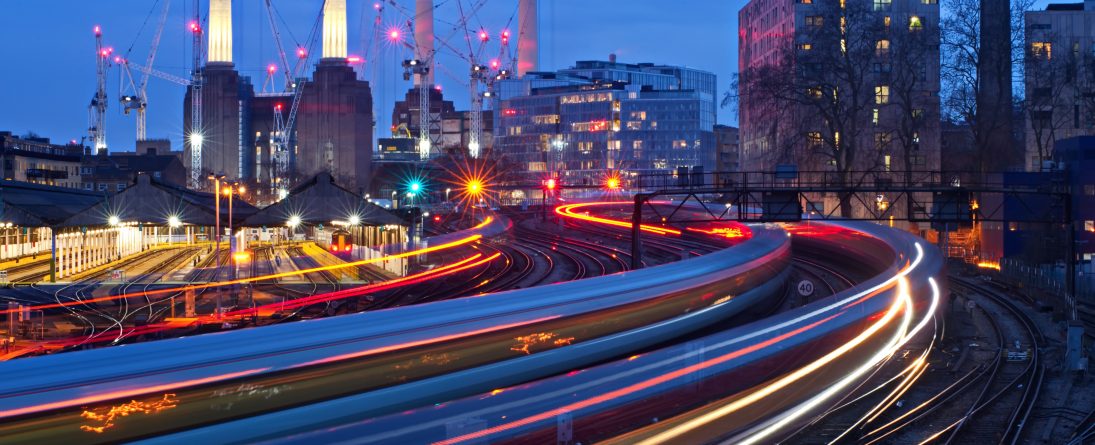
x=97 y=108
x=420 y=69
x=196 y=138
x=284 y=129
x=139 y=100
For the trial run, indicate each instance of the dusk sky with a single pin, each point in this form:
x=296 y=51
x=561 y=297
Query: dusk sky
x=50 y=78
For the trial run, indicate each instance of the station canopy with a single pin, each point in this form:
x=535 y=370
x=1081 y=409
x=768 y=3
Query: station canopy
x=321 y=201
x=34 y=205
x=151 y=201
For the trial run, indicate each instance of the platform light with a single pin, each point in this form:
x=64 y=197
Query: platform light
x=294 y=221
x=196 y=139
x=355 y=220
x=174 y=222
x=113 y=220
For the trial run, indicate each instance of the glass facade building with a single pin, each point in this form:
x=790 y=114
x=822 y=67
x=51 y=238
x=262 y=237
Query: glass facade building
x=605 y=118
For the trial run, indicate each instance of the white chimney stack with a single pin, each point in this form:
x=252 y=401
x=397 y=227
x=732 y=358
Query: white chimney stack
x=528 y=44
x=220 y=31
x=423 y=37
x=334 y=29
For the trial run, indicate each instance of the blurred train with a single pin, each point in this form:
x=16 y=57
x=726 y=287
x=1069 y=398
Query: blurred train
x=397 y=356
x=733 y=386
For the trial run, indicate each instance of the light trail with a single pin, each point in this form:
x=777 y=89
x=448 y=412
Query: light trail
x=841 y=305
x=568 y=211
x=145 y=293
x=438 y=272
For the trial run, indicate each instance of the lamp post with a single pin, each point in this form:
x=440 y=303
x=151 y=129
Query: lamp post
x=447 y=191
x=394 y=193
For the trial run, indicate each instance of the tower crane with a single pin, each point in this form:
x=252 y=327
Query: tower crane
x=139 y=101
x=195 y=138
x=97 y=108
x=284 y=129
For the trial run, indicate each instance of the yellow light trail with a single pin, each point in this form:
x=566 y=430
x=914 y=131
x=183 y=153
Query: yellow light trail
x=449 y=245
x=568 y=211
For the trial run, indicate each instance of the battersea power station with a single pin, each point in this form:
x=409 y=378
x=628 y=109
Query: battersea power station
x=272 y=140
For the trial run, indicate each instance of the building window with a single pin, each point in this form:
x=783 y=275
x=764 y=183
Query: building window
x=87 y=186
x=1089 y=189
x=886 y=162
x=874 y=116
x=929 y=2
x=1042 y=50
x=814 y=20
x=881 y=5
x=882 y=94
x=886 y=21
x=805 y=46
x=915 y=24
x=882 y=47
x=120 y=187
x=1089 y=226
x=881 y=140
x=814 y=93
x=918 y=114
x=102 y=187
x=814 y=139
x=806 y=2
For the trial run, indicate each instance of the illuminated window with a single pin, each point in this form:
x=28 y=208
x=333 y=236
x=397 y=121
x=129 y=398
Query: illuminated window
x=1042 y=50
x=915 y=24
x=929 y=2
x=886 y=21
x=805 y=46
x=814 y=139
x=882 y=94
x=1089 y=226
x=1089 y=189
x=874 y=116
x=814 y=92
x=886 y=162
x=634 y=125
x=640 y=115
x=814 y=20
x=882 y=47
x=881 y=5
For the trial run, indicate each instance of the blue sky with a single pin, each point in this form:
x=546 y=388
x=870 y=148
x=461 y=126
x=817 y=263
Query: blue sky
x=50 y=75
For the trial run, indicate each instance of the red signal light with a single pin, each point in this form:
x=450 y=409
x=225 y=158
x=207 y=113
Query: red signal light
x=437 y=218
x=272 y=68
x=550 y=184
x=483 y=36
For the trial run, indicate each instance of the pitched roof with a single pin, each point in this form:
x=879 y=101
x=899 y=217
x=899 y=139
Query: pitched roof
x=153 y=201
x=320 y=201
x=27 y=204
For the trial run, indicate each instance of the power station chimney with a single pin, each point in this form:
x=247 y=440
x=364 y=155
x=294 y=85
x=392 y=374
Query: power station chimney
x=334 y=29
x=423 y=37
x=528 y=44
x=220 y=31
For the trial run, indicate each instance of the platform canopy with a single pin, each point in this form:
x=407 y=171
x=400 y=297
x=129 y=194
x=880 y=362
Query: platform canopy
x=35 y=205
x=320 y=201
x=151 y=201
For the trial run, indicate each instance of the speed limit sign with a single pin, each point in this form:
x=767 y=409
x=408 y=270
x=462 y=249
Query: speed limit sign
x=805 y=288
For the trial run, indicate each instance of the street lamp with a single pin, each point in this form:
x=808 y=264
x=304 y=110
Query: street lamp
x=447 y=191
x=113 y=220
x=173 y=223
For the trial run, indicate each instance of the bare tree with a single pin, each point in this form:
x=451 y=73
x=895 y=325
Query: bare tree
x=912 y=110
x=963 y=58
x=1051 y=85
x=825 y=80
